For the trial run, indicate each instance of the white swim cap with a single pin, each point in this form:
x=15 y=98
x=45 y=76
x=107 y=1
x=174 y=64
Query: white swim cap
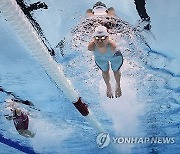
x=99 y=10
x=100 y=31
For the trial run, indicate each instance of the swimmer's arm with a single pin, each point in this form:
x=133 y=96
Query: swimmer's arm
x=112 y=45
x=91 y=46
x=8 y=117
x=89 y=13
x=26 y=102
x=111 y=11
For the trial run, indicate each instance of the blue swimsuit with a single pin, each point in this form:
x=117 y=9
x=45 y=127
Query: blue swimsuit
x=102 y=59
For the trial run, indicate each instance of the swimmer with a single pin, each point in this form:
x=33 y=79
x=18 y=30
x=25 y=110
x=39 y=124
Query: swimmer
x=105 y=51
x=100 y=9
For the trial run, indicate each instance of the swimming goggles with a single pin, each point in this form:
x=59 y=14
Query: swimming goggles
x=100 y=38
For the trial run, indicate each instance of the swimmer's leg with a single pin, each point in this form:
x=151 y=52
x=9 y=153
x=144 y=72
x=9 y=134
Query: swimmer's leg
x=106 y=77
x=116 y=64
x=104 y=66
x=117 y=76
x=26 y=133
x=29 y=133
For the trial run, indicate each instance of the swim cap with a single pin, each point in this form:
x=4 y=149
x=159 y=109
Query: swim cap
x=99 y=4
x=99 y=9
x=100 y=31
x=17 y=111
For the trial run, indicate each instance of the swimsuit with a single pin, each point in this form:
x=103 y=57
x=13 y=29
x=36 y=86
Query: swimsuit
x=102 y=59
x=21 y=122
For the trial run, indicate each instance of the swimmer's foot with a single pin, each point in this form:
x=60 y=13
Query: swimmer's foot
x=109 y=92
x=118 y=92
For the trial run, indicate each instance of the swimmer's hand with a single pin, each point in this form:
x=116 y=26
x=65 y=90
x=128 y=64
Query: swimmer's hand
x=91 y=46
x=8 y=117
